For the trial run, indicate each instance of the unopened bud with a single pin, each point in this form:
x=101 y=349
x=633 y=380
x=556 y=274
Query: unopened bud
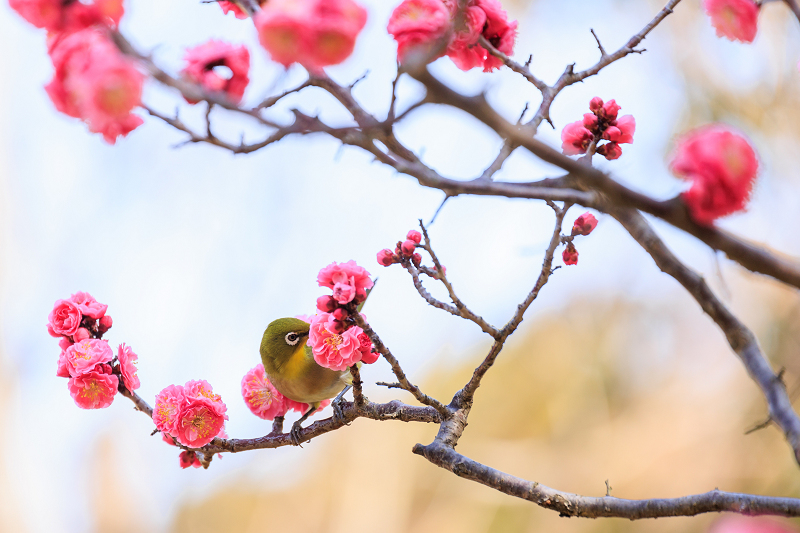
x=64 y=343
x=595 y=103
x=105 y=324
x=81 y=334
x=610 y=110
x=590 y=121
x=570 y=255
x=408 y=247
x=584 y=224
x=610 y=151
x=369 y=357
x=340 y=314
x=416 y=259
x=337 y=327
x=385 y=257
x=326 y=304
x=415 y=236
x=361 y=295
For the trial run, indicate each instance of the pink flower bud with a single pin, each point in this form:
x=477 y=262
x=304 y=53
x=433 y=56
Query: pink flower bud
x=340 y=314
x=81 y=334
x=385 y=257
x=610 y=110
x=64 y=343
x=570 y=255
x=104 y=368
x=326 y=304
x=361 y=295
x=337 y=326
x=408 y=247
x=610 y=151
x=595 y=103
x=443 y=270
x=584 y=224
x=416 y=259
x=415 y=236
x=590 y=121
x=370 y=357
x=105 y=324
x=188 y=459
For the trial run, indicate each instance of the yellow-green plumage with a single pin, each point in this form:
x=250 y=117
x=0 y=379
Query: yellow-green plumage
x=291 y=367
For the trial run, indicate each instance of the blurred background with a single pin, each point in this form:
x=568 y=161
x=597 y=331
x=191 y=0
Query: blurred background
x=615 y=375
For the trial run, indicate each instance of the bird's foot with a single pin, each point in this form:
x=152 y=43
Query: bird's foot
x=338 y=411
x=294 y=433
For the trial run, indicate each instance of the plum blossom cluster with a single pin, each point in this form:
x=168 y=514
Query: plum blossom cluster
x=95 y=374
x=93 y=80
x=264 y=400
x=583 y=225
x=430 y=27
x=406 y=255
x=314 y=33
x=736 y=20
x=203 y=64
x=602 y=123
x=336 y=342
x=192 y=414
x=722 y=167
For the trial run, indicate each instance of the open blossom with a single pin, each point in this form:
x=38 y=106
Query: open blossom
x=127 y=365
x=88 y=305
x=417 y=25
x=94 y=389
x=575 y=139
x=64 y=319
x=67 y=17
x=348 y=281
x=485 y=18
x=335 y=350
x=203 y=59
x=167 y=408
x=82 y=357
x=199 y=422
x=261 y=397
x=735 y=19
x=722 y=167
x=93 y=81
x=231 y=7
x=314 y=33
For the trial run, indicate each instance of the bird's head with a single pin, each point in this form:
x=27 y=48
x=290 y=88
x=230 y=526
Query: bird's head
x=281 y=339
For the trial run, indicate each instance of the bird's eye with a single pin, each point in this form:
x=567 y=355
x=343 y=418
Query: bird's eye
x=292 y=338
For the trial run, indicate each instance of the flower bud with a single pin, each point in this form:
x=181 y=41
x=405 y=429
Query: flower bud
x=408 y=247
x=570 y=255
x=416 y=259
x=415 y=236
x=326 y=304
x=337 y=326
x=610 y=110
x=340 y=314
x=385 y=257
x=370 y=358
x=105 y=324
x=81 y=334
x=104 y=368
x=590 y=121
x=361 y=295
x=595 y=103
x=443 y=271
x=584 y=224
x=64 y=343
x=610 y=151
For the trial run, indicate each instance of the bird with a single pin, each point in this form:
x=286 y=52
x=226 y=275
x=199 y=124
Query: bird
x=291 y=368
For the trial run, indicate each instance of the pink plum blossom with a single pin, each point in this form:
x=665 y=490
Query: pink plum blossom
x=417 y=25
x=348 y=281
x=58 y=16
x=201 y=61
x=736 y=20
x=622 y=130
x=88 y=305
x=199 y=421
x=64 y=319
x=81 y=357
x=570 y=255
x=94 y=389
x=334 y=350
x=231 y=7
x=127 y=366
x=201 y=389
x=722 y=167
x=81 y=335
x=584 y=224
x=485 y=18
x=62 y=370
x=167 y=410
x=93 y=81
x=261 y=397
x=314 y=33
x=575 y=139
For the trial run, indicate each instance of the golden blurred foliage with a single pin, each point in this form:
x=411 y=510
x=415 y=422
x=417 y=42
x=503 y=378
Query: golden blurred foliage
x=646 y=395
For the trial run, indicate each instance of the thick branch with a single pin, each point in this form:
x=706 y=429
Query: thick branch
x=740 y=338
x=574 y=505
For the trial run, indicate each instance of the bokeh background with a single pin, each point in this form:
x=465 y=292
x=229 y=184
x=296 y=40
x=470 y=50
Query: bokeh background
x=615 y=375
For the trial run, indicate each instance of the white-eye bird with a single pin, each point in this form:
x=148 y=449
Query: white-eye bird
x=290 y=365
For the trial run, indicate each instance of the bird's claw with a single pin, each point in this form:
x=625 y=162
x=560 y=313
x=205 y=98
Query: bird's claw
x=338 y=411
x=294 y=433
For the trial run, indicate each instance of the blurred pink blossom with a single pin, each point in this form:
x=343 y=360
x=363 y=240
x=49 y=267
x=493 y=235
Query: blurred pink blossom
x=202 y=59
x=261 y=397
x=127 y=366
x=575 y=138
x=418 y=25
x=736 y=20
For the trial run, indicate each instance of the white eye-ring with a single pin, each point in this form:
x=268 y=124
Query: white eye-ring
x=292 y=338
